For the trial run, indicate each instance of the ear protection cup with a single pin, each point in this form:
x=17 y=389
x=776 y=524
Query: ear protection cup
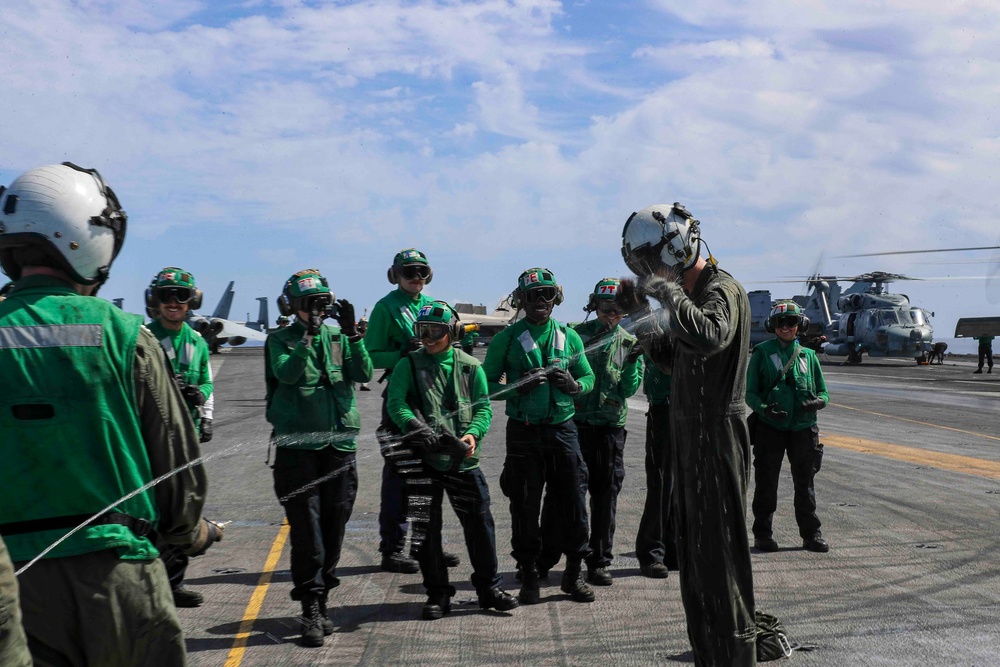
x=457 y=330
x=768 y=327
x=591 y=304
x=804 y=325
x=285 y=305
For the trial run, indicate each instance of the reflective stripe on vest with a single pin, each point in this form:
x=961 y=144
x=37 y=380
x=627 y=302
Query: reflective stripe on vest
x=51 y=335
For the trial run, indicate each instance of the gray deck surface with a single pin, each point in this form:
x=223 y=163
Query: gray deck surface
x=912 y=577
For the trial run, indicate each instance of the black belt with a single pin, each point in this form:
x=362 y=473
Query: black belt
x=140 y=527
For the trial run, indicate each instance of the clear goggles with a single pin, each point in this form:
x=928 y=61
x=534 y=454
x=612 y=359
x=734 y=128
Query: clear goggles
x=431 y=330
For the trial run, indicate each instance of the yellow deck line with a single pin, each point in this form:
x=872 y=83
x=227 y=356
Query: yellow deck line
x=917 y=421
x=235 y=656
x=953 y=462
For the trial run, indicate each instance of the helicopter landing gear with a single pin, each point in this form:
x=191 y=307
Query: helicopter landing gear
x=853 y=358
x=922 y=359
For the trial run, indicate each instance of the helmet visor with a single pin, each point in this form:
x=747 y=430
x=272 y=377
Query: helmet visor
x=431 y=330
x=178 y=294
x=787 y=322
x=414 y=271
x=546 y=293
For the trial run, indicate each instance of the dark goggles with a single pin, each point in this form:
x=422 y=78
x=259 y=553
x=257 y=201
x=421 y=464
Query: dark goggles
x=789 y=321
x=431 y=330
x=316 y=303
x=178 y=294
x=547 y=294
x=607 y=307
x=414 y=271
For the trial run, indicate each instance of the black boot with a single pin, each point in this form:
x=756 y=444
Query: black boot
x=574 y=585
x=312 y=622
x=324 y=618
x=437 y=605
x=529 y=585
x=497 y=598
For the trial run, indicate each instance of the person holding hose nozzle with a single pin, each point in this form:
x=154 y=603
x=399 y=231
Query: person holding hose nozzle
x=785 y=388
x=310 y=369
x=94 y=415
x=546 y=371
x=169 y=297
x=438 y=397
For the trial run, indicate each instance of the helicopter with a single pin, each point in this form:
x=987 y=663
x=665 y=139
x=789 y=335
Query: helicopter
x=864 y=318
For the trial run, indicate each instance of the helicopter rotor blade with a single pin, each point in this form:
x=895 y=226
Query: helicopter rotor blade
x=917 y=252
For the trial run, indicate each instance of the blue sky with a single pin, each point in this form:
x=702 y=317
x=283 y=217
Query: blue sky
x=248 y=140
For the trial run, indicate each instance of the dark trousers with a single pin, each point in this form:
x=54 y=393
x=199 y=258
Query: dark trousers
x=176 y=562
x=540 y=457
x=655 y=541
x=392 y=521
x=769 y=447
x=985 y=354
x=469 y=495
x=317 y=514
x=603 y=450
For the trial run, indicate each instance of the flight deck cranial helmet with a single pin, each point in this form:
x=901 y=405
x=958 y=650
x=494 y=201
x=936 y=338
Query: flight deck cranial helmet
x=603 y=296
x=786 y=313
x=436 y=319
x=63 y=216
x=660 y=235
x=303 y=290
x=172 y=283
x=534 y=284
x=409 y=264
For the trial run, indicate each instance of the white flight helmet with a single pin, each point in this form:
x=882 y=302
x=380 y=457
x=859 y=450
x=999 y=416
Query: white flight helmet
x=68 y=213
x=660 y=235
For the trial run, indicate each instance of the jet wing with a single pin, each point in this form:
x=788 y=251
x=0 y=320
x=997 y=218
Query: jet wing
x=231 y=329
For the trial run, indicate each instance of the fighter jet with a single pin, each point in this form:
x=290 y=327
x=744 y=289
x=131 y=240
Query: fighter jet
x=218 y=330
x=489 y=325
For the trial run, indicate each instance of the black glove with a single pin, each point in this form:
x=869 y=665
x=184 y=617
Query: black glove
x=528 y=382
x=451 y=445
x=316 y=318
x=564 y=381
x=420 y=437
x=813 y=404
x=206 y=430
x=414 y=345
x=345 y=318
x=629 y=299
x=774 y=413
x=634 y=355
x=209 y=532
x=192 y=395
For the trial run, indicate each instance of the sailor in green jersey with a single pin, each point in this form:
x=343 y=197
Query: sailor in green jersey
x=546 y=371
x=310 y=369
x=439 y=399
x=706 y=314
x=655 y=540
x=613 y=354
x=389 y=338
x=88 y=390
x=169 y=297
x=13 y=643
x=785 y=388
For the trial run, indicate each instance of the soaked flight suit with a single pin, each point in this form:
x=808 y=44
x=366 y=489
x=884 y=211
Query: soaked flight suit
x=711 y=335
x=13 y=643
x=450 y=391
x=86 y=385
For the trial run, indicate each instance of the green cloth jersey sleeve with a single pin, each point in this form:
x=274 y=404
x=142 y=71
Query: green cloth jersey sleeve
x=482 y=411
x=287 y=366
x=400 y=386
x=379 y=338
x=632 y=377
x=171 y=441
x=579 y=368
x=357 y=362
x=493 y=366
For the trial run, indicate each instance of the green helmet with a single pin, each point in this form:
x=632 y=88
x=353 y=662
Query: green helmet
x=409 y=256
x=301 y=288
x=172 y=283
x=172 y=276
x=409 y=264
x=788 y=311
x=437 y=318
x=542 y=280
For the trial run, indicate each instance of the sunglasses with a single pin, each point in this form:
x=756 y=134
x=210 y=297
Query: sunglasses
x=546 y=294
x=178 y=294
x=414 y=271
x=608 y=307
x=789 y=321
x=431 y=330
